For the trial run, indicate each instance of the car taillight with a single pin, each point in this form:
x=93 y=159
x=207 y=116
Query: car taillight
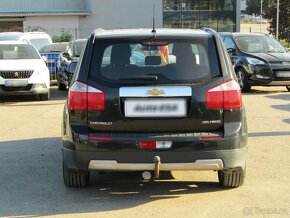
x=84 y=97
x=96 y=99
x=226 y=95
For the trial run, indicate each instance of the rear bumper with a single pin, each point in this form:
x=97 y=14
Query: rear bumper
x=144 y=160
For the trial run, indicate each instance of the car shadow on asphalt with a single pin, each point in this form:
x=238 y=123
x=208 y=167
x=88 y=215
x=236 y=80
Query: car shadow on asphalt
x=32 y=184
x=286 y=121
x=257 y=91
x=269 y=134
x=285 y=107
x=285 y=97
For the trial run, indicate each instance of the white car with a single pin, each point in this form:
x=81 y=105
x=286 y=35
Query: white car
x=22 y=70
x=38 y=39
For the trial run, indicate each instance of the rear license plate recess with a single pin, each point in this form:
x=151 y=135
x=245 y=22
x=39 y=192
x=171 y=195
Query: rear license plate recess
x=158 y=107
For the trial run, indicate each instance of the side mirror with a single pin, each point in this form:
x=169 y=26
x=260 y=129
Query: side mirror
x=44 y=58
x=72 y=68
x=231 y=50
x=66 y=55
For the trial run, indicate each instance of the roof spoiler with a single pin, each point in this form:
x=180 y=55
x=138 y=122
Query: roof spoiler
x=210 y=31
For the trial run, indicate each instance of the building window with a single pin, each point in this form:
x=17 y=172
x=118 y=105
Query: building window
x=11 y=26
x=217 y=14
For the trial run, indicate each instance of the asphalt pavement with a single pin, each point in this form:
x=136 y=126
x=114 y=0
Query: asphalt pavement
x=31 y=169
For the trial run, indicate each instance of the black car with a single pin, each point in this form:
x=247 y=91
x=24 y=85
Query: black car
x=70 y=72
x=258 y=59
x=178 y=109
x=72 y=52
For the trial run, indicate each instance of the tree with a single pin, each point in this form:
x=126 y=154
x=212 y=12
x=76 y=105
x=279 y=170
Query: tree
x=254 y=6
x=284 y=18
x=64 y=37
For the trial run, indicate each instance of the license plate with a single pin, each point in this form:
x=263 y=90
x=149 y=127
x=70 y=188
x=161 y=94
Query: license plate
x=16 y=83
x=283 y=74
x=155 y=108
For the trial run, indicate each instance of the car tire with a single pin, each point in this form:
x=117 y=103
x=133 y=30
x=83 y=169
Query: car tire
x=61 y=86
x=75 y=179
x=44 y=97
x=288 y=88
x=243 y=80
x=231 y=178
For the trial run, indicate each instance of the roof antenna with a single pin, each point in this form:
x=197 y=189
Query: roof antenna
x=153 y=30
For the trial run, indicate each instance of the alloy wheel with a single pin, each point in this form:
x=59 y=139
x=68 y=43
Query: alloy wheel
x=241 y=78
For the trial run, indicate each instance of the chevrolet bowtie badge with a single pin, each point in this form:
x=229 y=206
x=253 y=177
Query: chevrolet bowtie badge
x=156 y=92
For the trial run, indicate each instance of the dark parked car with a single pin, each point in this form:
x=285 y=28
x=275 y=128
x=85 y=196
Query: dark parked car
x=258 y=59
x=52 y=52
x=72 y=52
x=69 y=72
x=179 y=110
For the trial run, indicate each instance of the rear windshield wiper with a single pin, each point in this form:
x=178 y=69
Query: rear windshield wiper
x=148 y=78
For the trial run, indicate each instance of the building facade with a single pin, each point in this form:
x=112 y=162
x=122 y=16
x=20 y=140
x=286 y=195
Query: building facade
x=121 y=14
x=81 y=17
x=221 y=15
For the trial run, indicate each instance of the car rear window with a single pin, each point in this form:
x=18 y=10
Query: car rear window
x=56 y=47
x=40 y=42
x=160 y=61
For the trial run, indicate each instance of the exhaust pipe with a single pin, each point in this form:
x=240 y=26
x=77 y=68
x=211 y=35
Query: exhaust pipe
x=146 y=175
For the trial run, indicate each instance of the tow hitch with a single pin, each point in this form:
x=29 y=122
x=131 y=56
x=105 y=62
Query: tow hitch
x=157 y=167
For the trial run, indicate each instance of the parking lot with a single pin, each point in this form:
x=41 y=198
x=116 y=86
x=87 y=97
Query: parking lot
x=31 y=169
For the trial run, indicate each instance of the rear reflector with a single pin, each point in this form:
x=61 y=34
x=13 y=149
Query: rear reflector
x=84 y=97
x=156 y=145
x=210 y=137
x=100 y=138
x=226 y=95
x=148 y=144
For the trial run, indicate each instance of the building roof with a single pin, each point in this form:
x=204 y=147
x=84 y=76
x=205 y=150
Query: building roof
x=42 y=12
